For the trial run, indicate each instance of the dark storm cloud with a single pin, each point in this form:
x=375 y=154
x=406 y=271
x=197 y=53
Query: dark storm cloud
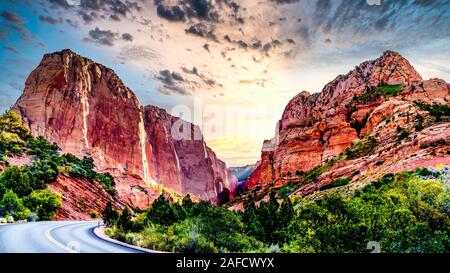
x=103 y=37
x=50 y=20
x=202 y=30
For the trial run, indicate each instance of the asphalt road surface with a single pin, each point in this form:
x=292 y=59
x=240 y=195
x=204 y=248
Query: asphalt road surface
x=56 y=237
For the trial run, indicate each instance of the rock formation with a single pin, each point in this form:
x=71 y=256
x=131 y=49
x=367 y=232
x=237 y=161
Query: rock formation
x=86 y=109
x=316 y=128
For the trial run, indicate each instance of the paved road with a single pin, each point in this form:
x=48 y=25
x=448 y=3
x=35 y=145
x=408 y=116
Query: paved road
x=56 y=237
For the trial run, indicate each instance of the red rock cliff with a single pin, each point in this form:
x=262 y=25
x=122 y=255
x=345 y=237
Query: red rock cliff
x=86 y=109
x=315 y=128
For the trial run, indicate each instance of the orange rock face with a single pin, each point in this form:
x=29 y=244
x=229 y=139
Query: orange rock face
x=315 y=128
x=86 y=109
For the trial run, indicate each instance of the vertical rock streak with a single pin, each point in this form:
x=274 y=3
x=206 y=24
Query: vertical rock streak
x=142 y=142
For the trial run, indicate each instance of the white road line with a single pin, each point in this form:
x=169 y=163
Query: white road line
x=53 y=240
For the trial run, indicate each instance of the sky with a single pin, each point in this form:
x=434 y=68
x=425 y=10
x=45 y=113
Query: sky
x=230 y=66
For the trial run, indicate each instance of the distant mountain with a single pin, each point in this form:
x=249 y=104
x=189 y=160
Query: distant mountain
x=86 y=109
x=242 y=173
x=381 y=117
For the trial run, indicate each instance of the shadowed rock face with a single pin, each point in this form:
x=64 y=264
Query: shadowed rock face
x=187 y=159
x=315 y=128
x=86 y=109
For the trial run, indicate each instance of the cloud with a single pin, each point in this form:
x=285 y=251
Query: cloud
x=173 y=13
x=11 y=49
x=202 y=30
x=203 y=10
x=102 y=37
x=12 y=17
x=172 y=82
x=127 y=37
x=285 y=1
x=14 y=23
x=50 y=20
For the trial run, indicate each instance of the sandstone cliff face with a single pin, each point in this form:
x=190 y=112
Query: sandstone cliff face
x=316 y=128
x=187 y=159
x=86 y=109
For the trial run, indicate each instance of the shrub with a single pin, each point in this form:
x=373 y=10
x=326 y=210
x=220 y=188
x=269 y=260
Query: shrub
x=41 y=148
x=440 y=112
x=12 y=204
x=363 y=147
x=336 y=183
x=44 y=202
x=93 y=213
x=17 y=180
x=108 y=183
x=378 y=92
x=42 y=172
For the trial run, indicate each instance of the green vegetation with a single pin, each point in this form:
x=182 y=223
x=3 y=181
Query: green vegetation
x=372 y=94
x=405 y=213
x=335 y=184
x=439 y=112
x=361 y=148
x=23 y=190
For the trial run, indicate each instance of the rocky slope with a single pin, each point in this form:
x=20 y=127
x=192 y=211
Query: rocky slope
x=86 y=109
x=375 y=104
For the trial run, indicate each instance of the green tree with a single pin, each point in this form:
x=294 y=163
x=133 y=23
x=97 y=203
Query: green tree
x=16 y=179
x=44 y=202
x=161 y=212
x=124 y=222
x=110 y=215
x=42 y=172
x=12 y=123
x=11 y=203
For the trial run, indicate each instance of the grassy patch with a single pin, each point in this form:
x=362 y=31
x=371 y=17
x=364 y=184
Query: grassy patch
x=372 y=94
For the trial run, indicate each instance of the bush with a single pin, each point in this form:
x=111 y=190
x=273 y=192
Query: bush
x=11 y=204
x=41 y=148
x=17 y=180
x=361 y=148
x=42 y=172
x=336 y=183
x=9 y=219
x=44 y=202
x=108 y=183
x=372 y=94
x=93 y=213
